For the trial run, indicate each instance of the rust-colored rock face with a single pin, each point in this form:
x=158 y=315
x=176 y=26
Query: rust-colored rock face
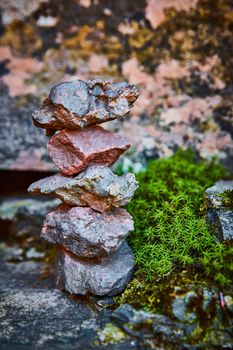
x=76 y=104
x=90 y=227
x=73 y=151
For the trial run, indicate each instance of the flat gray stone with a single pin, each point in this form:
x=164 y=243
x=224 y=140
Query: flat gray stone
x=85 y=232
x=97 y=187
x=41 y=319
x=106 y=277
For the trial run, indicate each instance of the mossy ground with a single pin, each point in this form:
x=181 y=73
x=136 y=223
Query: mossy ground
x=170 y=228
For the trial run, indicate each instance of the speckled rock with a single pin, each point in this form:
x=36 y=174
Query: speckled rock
x=97 y=187
x=221 y=222
x=107 y=277
x=219 y=215
x=86 y=232
x=76 y=104
x=73 y=151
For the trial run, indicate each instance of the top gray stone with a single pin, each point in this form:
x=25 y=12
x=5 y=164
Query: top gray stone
x=76 y=104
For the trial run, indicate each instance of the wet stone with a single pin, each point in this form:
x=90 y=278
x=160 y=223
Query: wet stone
x=73 y=151
x=106 y=277
x=76 y=104
x=97 y=187
x=85 y=232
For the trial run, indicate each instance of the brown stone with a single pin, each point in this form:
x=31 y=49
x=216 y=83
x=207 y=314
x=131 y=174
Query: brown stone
x=73 y=151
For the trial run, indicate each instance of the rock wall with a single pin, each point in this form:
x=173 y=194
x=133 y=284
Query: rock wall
x=175 y=51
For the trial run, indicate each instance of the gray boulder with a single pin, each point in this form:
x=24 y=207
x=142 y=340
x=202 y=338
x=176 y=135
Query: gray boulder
x=220 y=211
x=85 y=232
x=97 y=187
x=109 y=276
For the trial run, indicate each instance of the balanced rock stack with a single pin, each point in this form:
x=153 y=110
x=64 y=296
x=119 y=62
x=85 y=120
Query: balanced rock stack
x=89 y=227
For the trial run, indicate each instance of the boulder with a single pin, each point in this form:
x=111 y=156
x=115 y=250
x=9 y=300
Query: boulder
x=97 y=187
x=106 y=277
x=220 y=210
x=74 y=151
x=85 y=232
x=76 y=104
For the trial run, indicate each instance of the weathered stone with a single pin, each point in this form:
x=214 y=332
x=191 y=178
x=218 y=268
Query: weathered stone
x=97 y=187
x=219 y=215
x=221 y=222
x=76 y=104
x=73 y=151
x=85 y=232
x=107 y=277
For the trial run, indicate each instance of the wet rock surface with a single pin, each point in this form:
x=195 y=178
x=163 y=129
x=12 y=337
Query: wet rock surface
x=108 y=277
x=220 y=210
x=85 y=232
x=73 y=151
x=76 y=104
x=97 y=187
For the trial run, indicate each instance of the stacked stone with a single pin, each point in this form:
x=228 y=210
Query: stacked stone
x=89 y=227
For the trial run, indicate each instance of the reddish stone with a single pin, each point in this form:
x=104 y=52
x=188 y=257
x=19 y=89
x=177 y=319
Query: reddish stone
x=73 y=151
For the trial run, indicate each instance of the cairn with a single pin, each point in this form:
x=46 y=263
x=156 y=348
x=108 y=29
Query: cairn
x=89 y=227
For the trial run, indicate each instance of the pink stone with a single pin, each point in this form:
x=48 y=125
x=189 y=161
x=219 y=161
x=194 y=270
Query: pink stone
x=73 y=151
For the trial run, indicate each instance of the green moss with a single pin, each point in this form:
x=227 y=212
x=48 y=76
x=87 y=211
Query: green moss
x=227 y=198
x=170 y=230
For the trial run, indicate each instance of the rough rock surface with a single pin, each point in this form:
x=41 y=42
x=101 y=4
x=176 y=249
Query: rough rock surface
x=85 y=232
x=73 y=151
x=219 y=215
x=108 y=277
x=97 y=187
x=76 y=104
x=181 y=105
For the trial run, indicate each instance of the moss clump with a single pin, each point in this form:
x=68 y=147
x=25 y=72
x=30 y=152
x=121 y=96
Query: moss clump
x=170 y=231
x=227 y=198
